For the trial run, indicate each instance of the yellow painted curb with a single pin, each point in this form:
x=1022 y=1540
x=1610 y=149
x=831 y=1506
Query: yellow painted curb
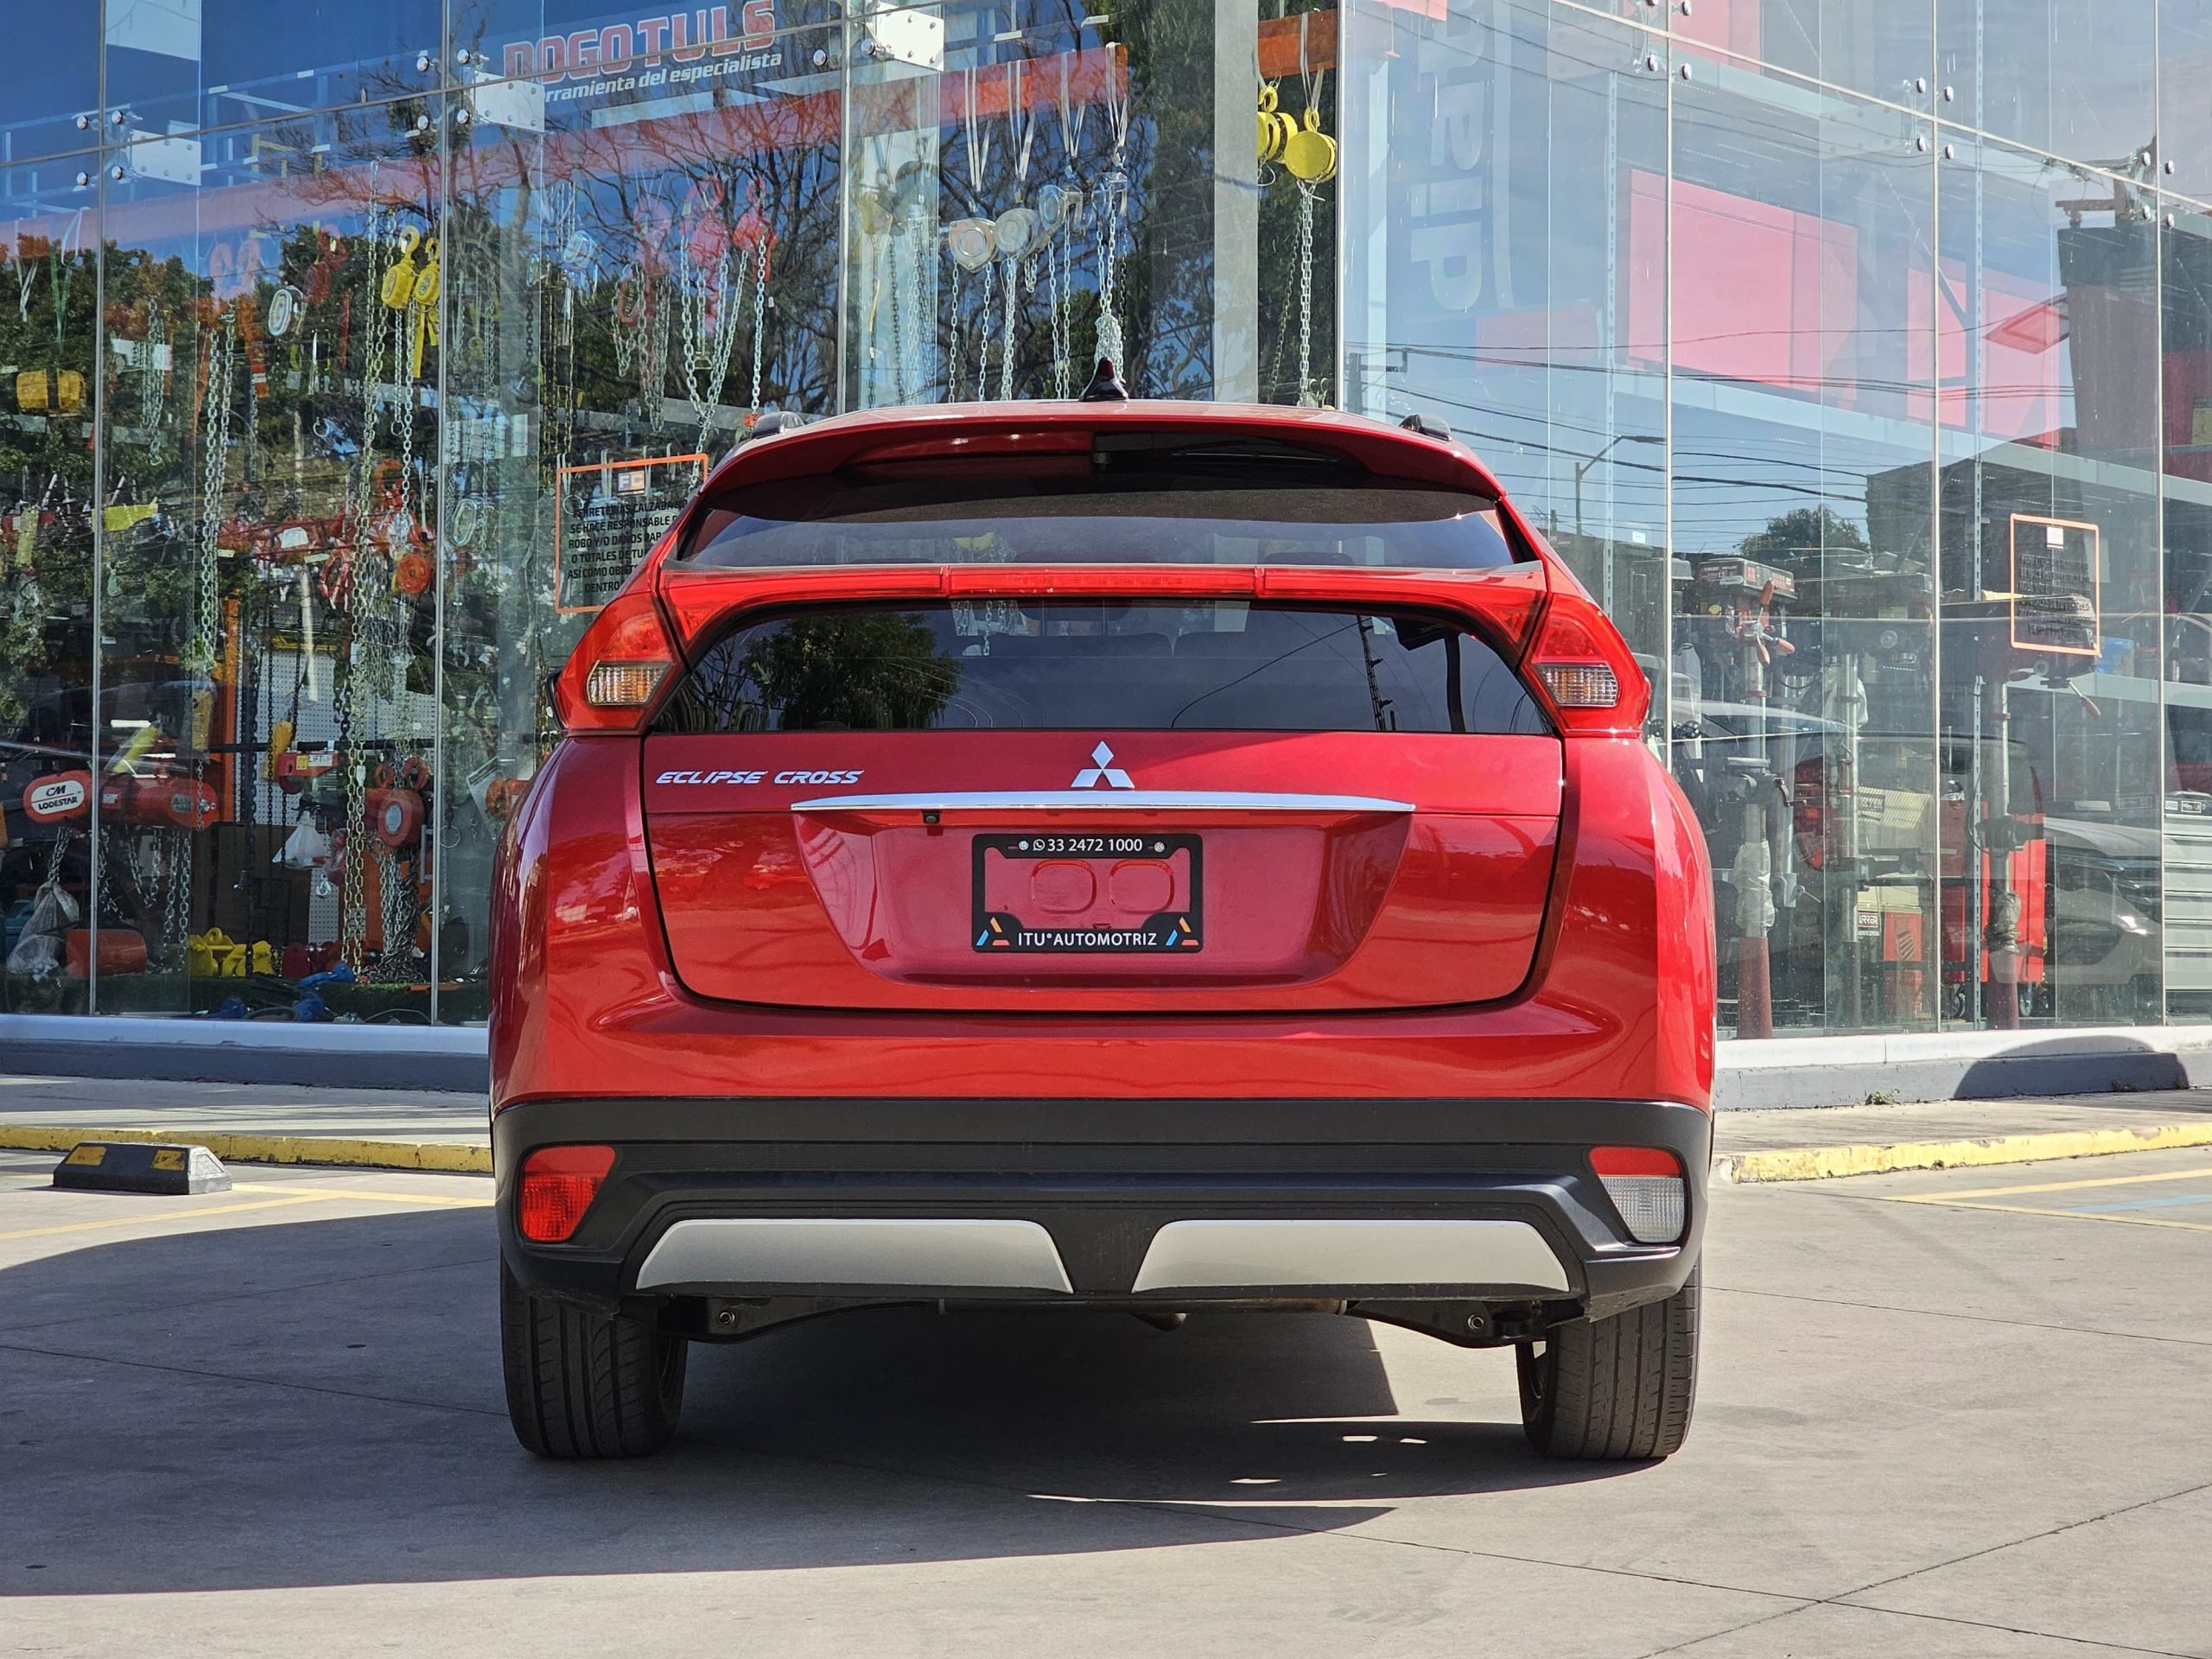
x=343 y=1151
x=1827 y=1163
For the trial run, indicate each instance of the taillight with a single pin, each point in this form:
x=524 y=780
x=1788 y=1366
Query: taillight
x=1585 y=670
x=618 y=669
x=557 y=1186
x=1646 y=1185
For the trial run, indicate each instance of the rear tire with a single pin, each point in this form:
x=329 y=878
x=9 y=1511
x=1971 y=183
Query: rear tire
x=1616 y=1387
x=582 y=1384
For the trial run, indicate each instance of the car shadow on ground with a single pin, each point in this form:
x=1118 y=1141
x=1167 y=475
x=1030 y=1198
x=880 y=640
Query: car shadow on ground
x=319 y=1402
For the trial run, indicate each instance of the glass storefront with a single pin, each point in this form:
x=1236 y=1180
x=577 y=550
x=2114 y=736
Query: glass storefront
x=1857 y=353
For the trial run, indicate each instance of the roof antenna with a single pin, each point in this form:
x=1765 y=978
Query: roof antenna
x=1105 y=386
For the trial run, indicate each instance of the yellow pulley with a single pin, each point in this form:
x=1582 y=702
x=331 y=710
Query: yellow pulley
x=1275 y=129
x=1310 y=153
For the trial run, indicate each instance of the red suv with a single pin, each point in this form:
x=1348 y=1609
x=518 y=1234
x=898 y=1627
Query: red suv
x=1148 y=856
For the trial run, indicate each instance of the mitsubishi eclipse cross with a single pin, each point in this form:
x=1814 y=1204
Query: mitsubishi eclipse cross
x=1154 y=857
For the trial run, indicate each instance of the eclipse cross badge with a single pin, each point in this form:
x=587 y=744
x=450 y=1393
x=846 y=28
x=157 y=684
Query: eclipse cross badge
x=1099 y=774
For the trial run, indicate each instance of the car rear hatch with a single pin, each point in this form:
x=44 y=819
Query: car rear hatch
x=977 y=785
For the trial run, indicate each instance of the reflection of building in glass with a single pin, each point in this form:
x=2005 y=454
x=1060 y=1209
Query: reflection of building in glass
x=1858 y=358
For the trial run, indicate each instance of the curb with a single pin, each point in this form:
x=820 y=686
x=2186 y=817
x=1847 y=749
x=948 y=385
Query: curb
x=449 y=1157
x=1827 y=1163
x=1740 y=1169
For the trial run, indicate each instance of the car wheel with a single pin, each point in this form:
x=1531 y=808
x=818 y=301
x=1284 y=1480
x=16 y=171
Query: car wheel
x=1622 y=1386
x=582 y=1384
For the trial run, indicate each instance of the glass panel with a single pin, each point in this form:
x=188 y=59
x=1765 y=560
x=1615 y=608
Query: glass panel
x=49 y=81
x=176 y=65
x=1802 y=322
x=267 y=723
x=635 y=272
x=1505 y=267
x=1882 y=48
x=2049 y=342
x=2185 y=143
x=1028 y=198
x=2073 y=77
x=1126 y=666
x=2186 y=357
x=49 y=242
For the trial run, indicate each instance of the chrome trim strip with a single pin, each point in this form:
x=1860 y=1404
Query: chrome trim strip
x=1100 y=800
x=1365 y=1254
x=758 y=1250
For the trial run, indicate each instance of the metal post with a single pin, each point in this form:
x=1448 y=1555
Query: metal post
x=1970 y=861
x=1235 y=203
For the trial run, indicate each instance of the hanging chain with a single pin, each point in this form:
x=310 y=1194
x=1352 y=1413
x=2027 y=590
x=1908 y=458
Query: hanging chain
x=1114 y=196
x=352 y=694
x=1012 y=313
x=199 y=656
x=759 y=310
x=1306 y=396
x=894 y=279
x=1060 y=253
x=709 y=310
x=953 y=335
x=176 y=879
x=909 y=255
x=985 y=326
x=153 y=379
x=371 y=380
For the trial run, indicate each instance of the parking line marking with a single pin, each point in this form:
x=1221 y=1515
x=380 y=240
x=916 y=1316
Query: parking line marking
x=148 y=1220
x=2171 y=1201
x=376 y=1198
x=2064 y=1215
x=2050 y=1186
x=295 y=1196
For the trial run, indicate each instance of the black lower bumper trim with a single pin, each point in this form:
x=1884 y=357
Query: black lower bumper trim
x=1102 y=1177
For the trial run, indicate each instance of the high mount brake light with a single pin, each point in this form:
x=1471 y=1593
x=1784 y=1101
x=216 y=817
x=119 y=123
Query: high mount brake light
x=1646 y=1185
x=557 y=1186
x=618 y=669
x=1585 y=670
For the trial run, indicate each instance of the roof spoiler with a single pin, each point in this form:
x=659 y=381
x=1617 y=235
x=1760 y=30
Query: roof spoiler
x=767 y=426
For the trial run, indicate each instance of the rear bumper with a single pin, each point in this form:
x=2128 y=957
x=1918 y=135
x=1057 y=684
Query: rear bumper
x=803 y=1204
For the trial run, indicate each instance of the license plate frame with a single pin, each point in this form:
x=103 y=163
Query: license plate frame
x=1000 y=929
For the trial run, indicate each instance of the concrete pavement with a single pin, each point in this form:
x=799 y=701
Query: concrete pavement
x=1932 y=1423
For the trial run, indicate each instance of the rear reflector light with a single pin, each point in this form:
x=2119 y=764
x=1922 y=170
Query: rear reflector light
x=624 y=685
x=1580 y=685
x=558 y=1184
x=1646 y=1187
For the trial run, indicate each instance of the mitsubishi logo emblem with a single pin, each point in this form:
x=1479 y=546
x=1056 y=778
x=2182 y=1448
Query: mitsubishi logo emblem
x=1100 y=774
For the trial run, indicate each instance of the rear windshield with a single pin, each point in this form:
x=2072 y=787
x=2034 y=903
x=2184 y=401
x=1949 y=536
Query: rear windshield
x=1256 y=506
x=1000 y=665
